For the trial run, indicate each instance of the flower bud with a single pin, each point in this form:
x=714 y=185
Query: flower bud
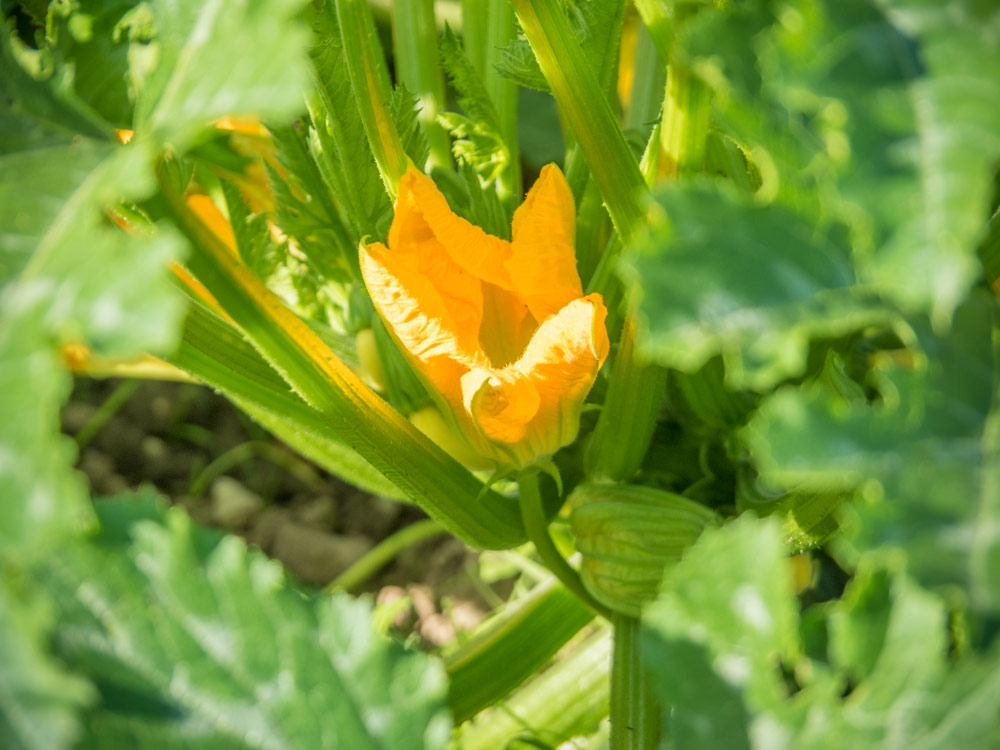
x=628 y=535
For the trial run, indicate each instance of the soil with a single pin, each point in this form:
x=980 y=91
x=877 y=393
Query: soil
x=201 y=452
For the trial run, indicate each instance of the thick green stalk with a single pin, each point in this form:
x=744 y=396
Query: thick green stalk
x=417 y=66
x=425 y=473
x=629 y=415
x=635 y=715
x=370 y=81
x=511 y=647
x=500 y=31
x=218 y=355
x=567 y=700
x=475 y=23
x=648 y=81
x=658 y=19
x=637 y=388
x=537 y=526
x=587 y=112
x=686 y=108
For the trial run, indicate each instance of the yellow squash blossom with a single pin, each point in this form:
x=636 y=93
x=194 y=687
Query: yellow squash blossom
x=500 y=330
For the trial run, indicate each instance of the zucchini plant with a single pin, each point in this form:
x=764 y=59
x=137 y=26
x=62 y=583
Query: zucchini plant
x=691 y=304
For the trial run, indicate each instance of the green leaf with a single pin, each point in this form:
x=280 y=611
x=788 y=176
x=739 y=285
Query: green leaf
x=754 y=283
x=70 y=277
x=35 y=113
x=221 y=58
x=727 y=621
x=305 y=208
x=38 y=699
x=479 y=140
x=405 y=108
x=884 y=116
x=725 y=617
x=337 y=138
x=924 y=454
x=96 y=43
x=193 y=640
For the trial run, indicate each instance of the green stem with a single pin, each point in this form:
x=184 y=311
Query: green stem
x=537 y=527
x=587 y=111
x=106 y=410
x=475 y=21
x=500 y=32
x=628 y=418
x=647 y=84
x=657 y=16
x=635 y=717
x=568 y=699
x=372 y=90
x=512 y=646
x=686 y=108
x=416 y=41
x=382 y=553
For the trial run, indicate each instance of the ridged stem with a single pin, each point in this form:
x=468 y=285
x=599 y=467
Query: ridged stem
x=635 y=715
x=686 y=108
x=586 y=110
x=629 y=415
x=418 y=67
x=513 y=646
x=500 y=31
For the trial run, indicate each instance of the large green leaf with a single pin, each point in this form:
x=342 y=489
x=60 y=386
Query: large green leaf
x=38 y=700
x=723 y=643
x=69 y=277
x=194 y=641
x=96 y=42
x=924 y=454
x=218 y=58
x=754 y=283
x=882 y=116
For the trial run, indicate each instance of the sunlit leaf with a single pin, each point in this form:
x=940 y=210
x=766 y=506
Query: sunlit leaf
x=194 y=641
x=722 y=274
x=925 y=453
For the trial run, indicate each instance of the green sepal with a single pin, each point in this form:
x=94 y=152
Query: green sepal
x=628 y=535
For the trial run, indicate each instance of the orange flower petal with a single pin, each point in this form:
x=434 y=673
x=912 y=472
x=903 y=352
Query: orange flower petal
x=432 y=308
x=543 y=262
x=421 y=208
x=562 y=362
x=501 y=403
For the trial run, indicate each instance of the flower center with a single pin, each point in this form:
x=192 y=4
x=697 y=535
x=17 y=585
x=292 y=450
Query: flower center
x=507 y=326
